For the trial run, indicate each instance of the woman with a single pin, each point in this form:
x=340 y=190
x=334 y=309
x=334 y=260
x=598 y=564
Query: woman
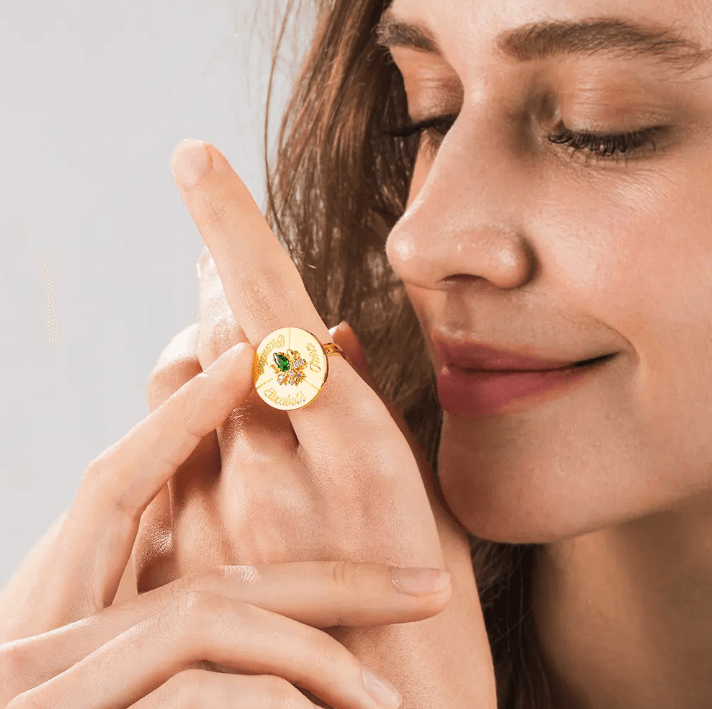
x=553 y=209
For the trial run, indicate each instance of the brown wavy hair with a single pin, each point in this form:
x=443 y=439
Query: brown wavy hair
x=337 y=189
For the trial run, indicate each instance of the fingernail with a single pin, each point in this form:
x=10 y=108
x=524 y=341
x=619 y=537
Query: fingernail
x=191 y=161
x=418 y=581
x=381 y=690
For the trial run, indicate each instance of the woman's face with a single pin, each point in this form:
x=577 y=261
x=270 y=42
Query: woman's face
x=525 y=245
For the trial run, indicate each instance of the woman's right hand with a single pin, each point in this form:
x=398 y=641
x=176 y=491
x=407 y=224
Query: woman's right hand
x=256 y=626
x=62 y=643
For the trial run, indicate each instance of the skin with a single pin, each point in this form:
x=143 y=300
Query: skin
x=504 y=243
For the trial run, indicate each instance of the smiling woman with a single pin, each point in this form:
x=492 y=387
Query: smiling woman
x=407 y=130
x=534 y=429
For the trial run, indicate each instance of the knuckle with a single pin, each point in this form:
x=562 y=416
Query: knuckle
x=346 y=575
x=327 y=652
x=210 y=579
x=262 y=290
x=206 y=577
x=180 y=618
x=370 y=413
x=360 y=584
x=181 y=346
x=170 y=375
x=163 y=381
x=189 y=607
x=184 y=584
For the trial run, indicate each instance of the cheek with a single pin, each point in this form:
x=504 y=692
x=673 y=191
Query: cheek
x=642 y=268
x=636 y=261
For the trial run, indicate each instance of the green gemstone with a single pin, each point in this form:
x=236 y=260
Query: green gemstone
x=281 y=361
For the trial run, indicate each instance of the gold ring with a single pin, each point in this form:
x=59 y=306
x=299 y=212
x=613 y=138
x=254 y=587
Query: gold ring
x=290 y=368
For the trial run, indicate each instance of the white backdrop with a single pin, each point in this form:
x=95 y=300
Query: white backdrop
x=98 y=252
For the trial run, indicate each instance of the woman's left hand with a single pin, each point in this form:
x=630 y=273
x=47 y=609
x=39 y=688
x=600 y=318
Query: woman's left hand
x=340 y=479
x=334 y=480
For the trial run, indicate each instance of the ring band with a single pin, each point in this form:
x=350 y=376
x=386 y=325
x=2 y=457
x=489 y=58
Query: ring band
x=290 y=367
x=331 y=348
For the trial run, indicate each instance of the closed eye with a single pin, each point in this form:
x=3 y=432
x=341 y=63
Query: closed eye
x=601 y=146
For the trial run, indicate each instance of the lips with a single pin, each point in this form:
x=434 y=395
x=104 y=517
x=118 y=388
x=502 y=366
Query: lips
x=477 y=379
x=476 y=357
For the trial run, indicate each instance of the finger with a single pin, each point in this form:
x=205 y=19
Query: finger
x=150 y=641
x=177 y=364
x=255 y=428
x=321 y=594
x=204 y=626
x=265 y=292
x=344 y=336
x=262 y=285
x=202 y=688
x=103 y=520
x=219 y=328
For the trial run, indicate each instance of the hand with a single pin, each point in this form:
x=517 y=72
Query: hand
x=217 y=330
x=157 y=650
x=269 y=495
x=199 y=345
x=75 y=571
x=341 y=465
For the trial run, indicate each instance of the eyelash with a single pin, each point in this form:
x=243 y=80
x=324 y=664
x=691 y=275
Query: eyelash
x=600 y=146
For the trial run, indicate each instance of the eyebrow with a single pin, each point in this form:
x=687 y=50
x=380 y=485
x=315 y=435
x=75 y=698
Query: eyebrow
x=551 y=38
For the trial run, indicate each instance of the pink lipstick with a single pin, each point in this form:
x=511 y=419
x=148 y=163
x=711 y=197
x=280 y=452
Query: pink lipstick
x=475 y=393
x=477 y=379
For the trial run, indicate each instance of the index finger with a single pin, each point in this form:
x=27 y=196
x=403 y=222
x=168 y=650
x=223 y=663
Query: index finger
x=262 y=284
x=265 y=291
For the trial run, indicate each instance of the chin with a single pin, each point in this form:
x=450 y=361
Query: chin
x=506 y=524
x=510 y=483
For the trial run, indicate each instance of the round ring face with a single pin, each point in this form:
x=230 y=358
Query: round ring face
x=290 y=368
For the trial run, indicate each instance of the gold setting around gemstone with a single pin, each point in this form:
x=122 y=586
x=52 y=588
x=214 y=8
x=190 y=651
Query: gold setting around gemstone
x=290 y=368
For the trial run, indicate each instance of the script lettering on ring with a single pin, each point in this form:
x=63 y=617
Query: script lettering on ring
x=271 y=345
x=295 y=400
x=313 y=358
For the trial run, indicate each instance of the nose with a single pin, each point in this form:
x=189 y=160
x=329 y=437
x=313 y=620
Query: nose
x=464 y=221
